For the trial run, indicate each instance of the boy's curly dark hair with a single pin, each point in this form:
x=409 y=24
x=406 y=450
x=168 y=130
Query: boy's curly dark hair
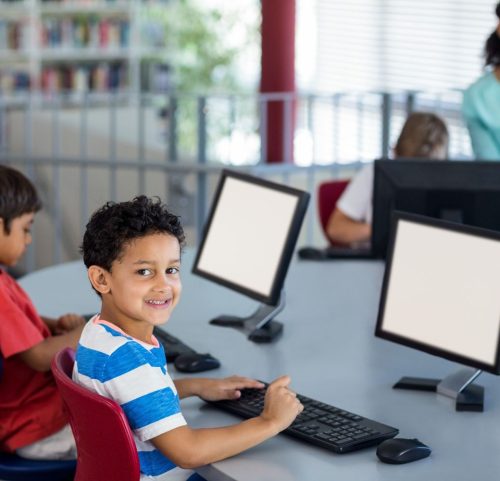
x=18 y=196
x=114 y=225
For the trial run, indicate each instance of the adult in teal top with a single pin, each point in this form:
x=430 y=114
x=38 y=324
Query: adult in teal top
x=481 y=103
x=481 y=109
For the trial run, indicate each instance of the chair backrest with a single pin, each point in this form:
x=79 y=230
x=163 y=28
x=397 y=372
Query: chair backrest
x=328 y=195
x=104 y=441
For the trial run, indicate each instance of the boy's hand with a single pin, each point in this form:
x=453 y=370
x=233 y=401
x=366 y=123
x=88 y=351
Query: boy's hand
x=227 y=388
x=68 y=322
x=281 y=405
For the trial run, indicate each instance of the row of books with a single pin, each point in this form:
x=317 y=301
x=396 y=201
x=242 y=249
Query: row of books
x=77 y=2
x=13 y=35
x=12 y=80
x=81 y=2
x=102 y=77
x=84 y=32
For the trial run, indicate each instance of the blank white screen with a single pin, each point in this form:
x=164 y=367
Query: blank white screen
x=247 y=234
x=444 y=290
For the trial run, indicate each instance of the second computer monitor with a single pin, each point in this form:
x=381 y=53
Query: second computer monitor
x=459 y=191
x=248 y=243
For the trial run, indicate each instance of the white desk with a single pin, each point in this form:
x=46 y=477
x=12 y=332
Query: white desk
x=329 y=349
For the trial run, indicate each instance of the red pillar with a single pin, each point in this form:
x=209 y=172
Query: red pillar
x=278 y=75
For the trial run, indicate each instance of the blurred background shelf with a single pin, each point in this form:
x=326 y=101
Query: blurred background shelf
x=69 y=41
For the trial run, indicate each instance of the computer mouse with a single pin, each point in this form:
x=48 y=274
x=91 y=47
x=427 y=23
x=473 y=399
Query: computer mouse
x=311 y=253
x=400 y=450
x=195 y=362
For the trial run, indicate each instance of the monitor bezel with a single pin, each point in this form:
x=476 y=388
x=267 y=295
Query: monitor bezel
x=288 y=248
x=379 y=332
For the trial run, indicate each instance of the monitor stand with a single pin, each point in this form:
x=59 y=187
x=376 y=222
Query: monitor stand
x=458 y=386
x=259 y=326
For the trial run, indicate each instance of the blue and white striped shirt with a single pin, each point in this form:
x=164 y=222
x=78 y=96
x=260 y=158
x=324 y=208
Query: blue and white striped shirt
x=134 y=374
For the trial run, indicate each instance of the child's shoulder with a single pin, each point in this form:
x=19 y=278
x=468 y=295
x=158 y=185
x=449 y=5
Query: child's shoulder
x=105 y=337
x=109 y=341
x=9 y=285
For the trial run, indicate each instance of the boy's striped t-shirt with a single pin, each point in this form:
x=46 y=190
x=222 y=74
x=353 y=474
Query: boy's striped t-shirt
x=134 y=374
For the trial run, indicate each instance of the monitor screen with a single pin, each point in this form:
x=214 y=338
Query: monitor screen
x=441 y=290
x=250 y=235
x=458 y=191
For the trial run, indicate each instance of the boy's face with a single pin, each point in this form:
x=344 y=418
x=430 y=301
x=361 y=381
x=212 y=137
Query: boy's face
x=13 y=244
x=144 y=285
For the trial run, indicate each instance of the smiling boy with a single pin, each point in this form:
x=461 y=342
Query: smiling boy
x=133 y=254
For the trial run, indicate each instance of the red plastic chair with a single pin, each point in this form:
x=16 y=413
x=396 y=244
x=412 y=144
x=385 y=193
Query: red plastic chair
x=104 y=441
x=328 y=195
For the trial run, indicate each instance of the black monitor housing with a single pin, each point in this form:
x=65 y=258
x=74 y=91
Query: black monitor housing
x=440 y=296
x=458 y=191
x=247 y=245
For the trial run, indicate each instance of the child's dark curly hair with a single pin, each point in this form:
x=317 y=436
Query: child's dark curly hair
x=114 y=225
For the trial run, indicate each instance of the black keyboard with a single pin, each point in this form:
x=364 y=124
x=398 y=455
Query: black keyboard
x=319 y=423
x=173 y=346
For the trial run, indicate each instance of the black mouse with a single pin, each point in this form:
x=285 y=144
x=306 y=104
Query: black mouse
x=311 y=253
x=400 y=450
x=195 y=362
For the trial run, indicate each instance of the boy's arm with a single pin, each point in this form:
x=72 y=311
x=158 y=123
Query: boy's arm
x=345 y=230
x=64 y=323
x=50 y=323
x=40 y=356
x=191 y=448
x=214 y=389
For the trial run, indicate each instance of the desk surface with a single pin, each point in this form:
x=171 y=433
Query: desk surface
x=329 y=349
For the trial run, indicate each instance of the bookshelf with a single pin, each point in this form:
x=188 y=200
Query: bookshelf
x=77 y=45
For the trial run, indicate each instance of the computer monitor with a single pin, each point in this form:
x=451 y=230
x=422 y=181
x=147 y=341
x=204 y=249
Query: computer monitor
x=440 y=295
x=247 y=245
x=459 y=191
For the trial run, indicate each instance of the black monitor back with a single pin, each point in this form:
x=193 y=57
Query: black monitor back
x=459 y=191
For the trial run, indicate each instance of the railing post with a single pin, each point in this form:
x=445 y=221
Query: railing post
x=3 y=124
x=142 y=148
x=84 y=177
x=410 y=102
x=171 y=115
x=56 y=180
x=336 y=125
x=112 y=147
x=360 y=118
x=30 y=170
x=202 y=160
x=310 y=124
x=288 y=127
x=263 y=108
x=386 y=123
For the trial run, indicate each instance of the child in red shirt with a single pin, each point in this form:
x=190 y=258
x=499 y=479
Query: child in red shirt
x=32 y=421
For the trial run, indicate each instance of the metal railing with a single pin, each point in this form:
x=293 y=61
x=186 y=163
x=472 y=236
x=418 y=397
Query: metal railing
x=83 y=150
x=229 y=129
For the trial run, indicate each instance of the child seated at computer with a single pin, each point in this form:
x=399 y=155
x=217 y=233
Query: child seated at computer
x=133 y=254
x=424 y=135
x=32 y=420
